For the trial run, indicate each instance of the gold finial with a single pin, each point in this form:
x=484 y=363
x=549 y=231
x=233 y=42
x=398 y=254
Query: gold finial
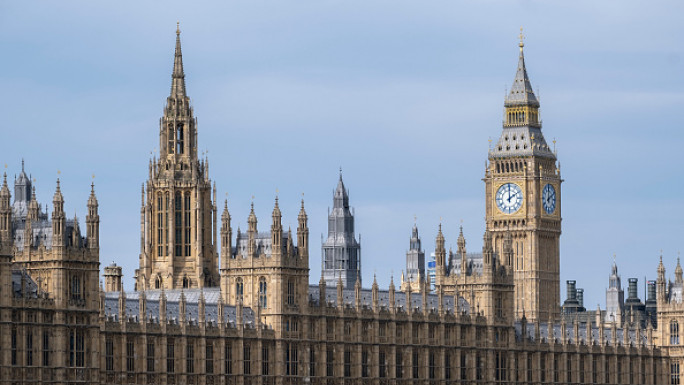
x=178 y=28
x=93 y=176
x=521 y=45
x=59 y=172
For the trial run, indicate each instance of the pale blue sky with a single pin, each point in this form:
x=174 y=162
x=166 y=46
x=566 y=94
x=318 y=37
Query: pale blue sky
x=403 y=95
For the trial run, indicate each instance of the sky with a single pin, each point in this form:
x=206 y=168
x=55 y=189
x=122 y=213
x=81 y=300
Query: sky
x=402 y=95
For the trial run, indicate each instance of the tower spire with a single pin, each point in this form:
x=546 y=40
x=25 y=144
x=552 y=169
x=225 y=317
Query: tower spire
x=178 y=76
x=521 y=93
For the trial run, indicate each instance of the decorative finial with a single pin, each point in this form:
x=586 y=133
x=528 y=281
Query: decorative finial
x=178 y=28
x=22 y=164
x=58 y=172
x=415 y=219
x=521 y=39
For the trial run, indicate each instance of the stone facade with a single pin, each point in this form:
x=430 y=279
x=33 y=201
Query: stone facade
x=255 y=319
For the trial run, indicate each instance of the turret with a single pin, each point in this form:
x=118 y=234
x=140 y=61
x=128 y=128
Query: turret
x=678 y=273
x=162 y=306
x=487 y=254
x=252 y=233
x=440 y=254
x=461 y=251
x=322 y=301
x=33 y=207
x=182 y=308
x=93 y=221
x=375 y=294
x=142 y=305
x=201 y=305
x=660 y=282
x=226 y=237
x=276 y=231
x=113 y=278
x=58 y=219
x=303 y=236
x=340 y=295
x=392 y=303
x=5 y=212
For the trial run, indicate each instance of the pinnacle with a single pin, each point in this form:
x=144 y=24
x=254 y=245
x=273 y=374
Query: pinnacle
x=178 y=76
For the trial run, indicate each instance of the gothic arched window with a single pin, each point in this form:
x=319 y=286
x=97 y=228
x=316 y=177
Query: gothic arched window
x=157 y=283
x=290 y=292
x=179 y=139
x=674 y=332
x=186 y=282
x=239 y=289
x=262 y=293
x=75 y=287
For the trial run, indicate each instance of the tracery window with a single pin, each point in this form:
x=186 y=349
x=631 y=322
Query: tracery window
x=290 y=292
x=76 y=348
x=179 y=139
x=239 y=289
x=186 y=222
x=674 y=332
x=263 y=302
x=75 y=287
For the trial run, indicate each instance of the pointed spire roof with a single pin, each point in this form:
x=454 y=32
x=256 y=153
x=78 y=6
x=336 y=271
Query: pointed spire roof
x=178 y=76
x=521 y=91
x=341 y=196
x=226 y=215
x=58 y=194
x=5 y=190
x=678 y=272
x=276 y=208
x=92 y=199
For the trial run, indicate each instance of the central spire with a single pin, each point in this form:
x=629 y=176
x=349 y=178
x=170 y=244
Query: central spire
x=178 y=76
x=521 y=91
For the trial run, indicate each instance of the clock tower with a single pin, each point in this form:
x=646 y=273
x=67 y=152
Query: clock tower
x=523 y=186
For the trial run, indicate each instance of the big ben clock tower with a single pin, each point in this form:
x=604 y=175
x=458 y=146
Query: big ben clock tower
x=523 y=186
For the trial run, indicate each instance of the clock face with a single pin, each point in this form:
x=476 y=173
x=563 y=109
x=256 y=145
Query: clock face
x=509 y=198
x=549 y=199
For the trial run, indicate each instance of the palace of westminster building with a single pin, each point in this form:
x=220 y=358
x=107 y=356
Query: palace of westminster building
x=252 y=317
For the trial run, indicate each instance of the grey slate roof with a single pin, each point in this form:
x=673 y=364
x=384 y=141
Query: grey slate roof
x=30 y=289
x=521 y=141
x=192 y=296
x=521 y=91
x=474 y=261
x=400 y=299
x=554 y=334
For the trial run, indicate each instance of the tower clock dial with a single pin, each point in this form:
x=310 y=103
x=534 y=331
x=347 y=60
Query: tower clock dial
x=549 y=199
x=509 y=198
